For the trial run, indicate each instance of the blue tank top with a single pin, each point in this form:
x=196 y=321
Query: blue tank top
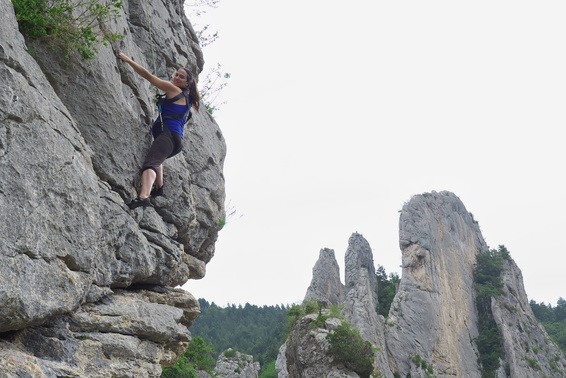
x=176 y=125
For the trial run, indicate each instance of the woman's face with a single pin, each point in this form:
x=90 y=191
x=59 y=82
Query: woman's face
x=180 y=78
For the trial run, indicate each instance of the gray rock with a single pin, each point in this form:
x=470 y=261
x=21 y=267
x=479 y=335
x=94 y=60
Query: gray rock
x=361 y=298
x=233 y=364
x=528 y=350
x=72 y=137
x=432 y=323
x=307 y=352
x=326 y=285
x=358 y=301
x=433 y=313
x=281 y=362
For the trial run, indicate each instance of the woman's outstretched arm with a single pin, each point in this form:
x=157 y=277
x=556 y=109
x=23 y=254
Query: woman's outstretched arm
x=164 y=85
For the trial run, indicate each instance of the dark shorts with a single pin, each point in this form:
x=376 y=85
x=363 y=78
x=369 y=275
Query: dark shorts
x=166 y=145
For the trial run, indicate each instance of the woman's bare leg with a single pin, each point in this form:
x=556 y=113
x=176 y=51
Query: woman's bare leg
x=159 y=178
x=147 y=180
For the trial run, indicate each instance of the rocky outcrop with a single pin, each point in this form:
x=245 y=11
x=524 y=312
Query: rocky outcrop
x=86 y=283
x=433 y=320
x=358 y=300
x=233 y=364
x=361 y=297
x=306 y=353
x=528 y=351
x=433 y=314
x=326 y=285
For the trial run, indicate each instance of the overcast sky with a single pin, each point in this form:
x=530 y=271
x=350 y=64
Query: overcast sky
x=339 y=111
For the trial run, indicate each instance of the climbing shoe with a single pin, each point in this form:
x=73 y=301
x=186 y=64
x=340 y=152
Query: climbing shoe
x=156 y=192
x=137 y=202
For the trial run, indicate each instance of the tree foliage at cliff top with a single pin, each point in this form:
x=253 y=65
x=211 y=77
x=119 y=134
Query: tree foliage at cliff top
x=69 y=26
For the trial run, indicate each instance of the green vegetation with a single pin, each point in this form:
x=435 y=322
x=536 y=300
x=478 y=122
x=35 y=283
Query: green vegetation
x=420 y=362
x=386 y=289
x=553 y=319
x=249 y=329
x=198 y=356
x=268 y=371
x=311 y=307
x=488 y=284
x=348 y=347
x=71 y=26
x=346 y=344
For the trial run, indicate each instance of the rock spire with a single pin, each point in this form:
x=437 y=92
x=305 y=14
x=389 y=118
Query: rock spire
x=432 y=325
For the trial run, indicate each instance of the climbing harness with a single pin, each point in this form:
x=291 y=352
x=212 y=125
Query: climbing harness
x=162 y=99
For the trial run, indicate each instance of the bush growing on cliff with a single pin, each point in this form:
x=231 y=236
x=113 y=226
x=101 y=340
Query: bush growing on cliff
x=198 y=356
x=348 y=347
x=71 y=26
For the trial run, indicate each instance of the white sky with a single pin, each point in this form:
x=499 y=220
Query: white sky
x=339 y=111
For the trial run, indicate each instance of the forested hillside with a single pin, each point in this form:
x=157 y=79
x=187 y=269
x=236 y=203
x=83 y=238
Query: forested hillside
x=553 y=319
x=258 y=331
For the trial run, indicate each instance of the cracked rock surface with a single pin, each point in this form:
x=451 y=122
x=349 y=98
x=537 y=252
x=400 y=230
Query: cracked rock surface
x=87 y=285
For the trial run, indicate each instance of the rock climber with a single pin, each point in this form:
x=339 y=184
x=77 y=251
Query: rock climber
x=181 y=93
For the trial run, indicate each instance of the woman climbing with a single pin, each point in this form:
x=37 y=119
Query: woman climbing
x=181 y=94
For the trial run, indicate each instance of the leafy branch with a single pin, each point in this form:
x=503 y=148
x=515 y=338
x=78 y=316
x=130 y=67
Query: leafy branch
x=215 y=79
x=213 y=83
x=71 y=26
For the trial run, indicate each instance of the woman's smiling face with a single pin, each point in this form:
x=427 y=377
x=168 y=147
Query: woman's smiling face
x=180 y=78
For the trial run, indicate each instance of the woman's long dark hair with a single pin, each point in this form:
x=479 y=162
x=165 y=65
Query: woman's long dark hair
x=194 y=96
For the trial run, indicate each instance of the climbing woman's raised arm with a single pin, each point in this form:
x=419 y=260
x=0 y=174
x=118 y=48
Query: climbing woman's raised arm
x=164 y=85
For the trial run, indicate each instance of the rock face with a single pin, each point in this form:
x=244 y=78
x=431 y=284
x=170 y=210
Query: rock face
x=306 y=352
x=298 y=357
x=326 y=285
x=86 y=283
x=433 y=314
x=433 y=320
x=233 y=364
x=528 y=352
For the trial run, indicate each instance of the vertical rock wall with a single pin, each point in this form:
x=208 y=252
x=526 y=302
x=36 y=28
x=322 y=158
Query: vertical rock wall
x=527 y=349
x=86 y=285
x=433 y=314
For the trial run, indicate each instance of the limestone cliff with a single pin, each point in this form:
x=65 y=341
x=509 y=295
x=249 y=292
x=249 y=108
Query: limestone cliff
x=433 y=314
x=326 y=285
x=433 y=320
x=87 y=285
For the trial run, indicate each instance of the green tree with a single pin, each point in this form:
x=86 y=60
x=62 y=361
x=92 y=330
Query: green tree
x=269 y=371
x=489 y=284
x=198 y=356
x=553 y=319
x=386 y=289
x=71 y=26
x=258 y=331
